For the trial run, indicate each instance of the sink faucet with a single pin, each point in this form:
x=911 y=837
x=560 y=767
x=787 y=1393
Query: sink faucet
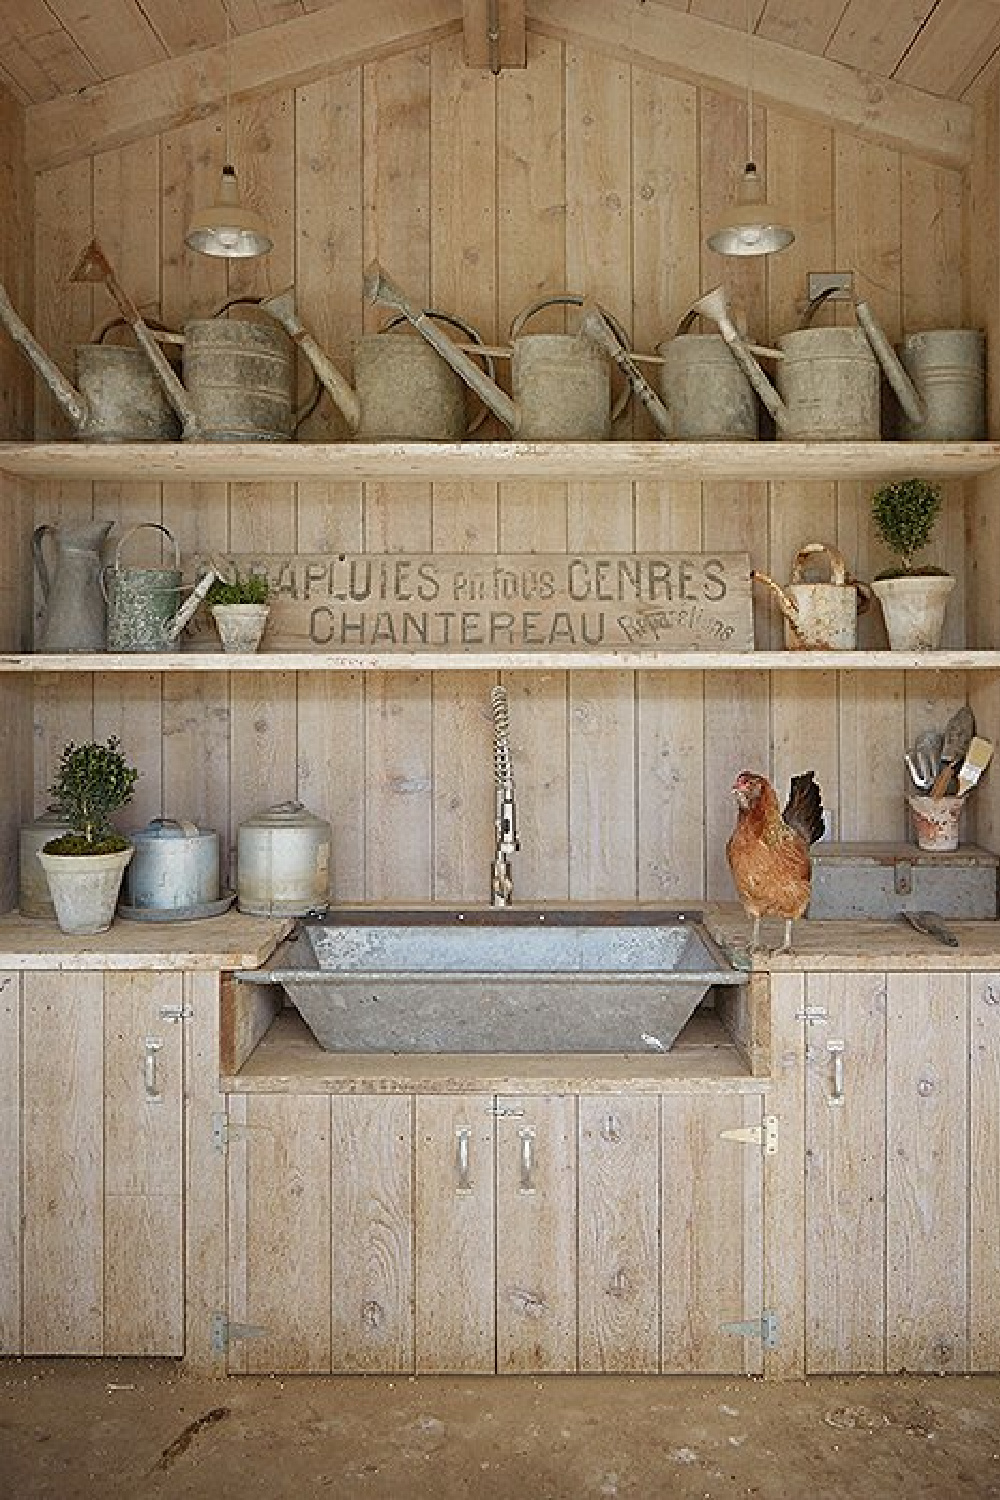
x=505 y=827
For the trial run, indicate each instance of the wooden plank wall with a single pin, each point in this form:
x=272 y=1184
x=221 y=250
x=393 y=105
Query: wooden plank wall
x=15 y=556
x=581 y=171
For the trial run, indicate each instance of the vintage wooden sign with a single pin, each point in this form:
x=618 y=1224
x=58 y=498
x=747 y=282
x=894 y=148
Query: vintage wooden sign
x=412 y=602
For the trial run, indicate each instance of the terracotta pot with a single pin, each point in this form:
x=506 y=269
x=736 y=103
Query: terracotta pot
x=936 y=820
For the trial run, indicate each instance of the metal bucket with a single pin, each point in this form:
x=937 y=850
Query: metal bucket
x=948 y=368
x=124 y=395
x=406 y=391
x=706 y=393
x=240 y=377
x=829 y=382
x=141 y=601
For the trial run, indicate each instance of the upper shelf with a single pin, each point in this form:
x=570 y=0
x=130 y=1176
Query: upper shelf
x=219 y=462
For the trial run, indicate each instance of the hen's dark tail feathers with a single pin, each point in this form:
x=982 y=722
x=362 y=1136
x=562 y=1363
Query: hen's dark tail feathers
x=804 y=808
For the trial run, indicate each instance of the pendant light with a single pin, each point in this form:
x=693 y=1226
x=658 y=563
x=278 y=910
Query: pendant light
x=753 y=226
x=228 y=228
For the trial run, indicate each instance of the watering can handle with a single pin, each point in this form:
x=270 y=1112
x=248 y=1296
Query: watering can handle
x=475 y=337
x=37 y=538
x=838 y=567
x=152 y=526
x=574 y=299
x=789 y=608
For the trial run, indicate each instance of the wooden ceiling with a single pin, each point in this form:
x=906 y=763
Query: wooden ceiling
x=57 y=47
x=898 y=68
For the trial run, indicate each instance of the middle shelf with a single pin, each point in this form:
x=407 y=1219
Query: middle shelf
x=952 y=660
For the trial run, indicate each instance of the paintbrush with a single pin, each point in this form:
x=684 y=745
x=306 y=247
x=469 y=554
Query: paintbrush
x=977 y=758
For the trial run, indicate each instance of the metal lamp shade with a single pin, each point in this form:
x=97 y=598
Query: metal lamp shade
x=229 y=228
x=753 y=226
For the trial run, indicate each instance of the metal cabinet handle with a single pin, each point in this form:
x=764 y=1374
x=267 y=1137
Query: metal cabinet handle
x=836 y=1051
x=463 y=1166
x=151 y=1048
x=526 y=1152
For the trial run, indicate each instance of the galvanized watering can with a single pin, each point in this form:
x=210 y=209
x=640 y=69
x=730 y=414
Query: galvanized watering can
x=820 y=616
x=561 y=382
x=828 y=386
x=403 y=392
x=145 y=612
x=74 y=618
x=175 y=866
x=121 y=395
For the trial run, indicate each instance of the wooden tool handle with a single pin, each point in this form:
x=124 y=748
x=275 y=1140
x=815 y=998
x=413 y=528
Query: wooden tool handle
x=942 y=779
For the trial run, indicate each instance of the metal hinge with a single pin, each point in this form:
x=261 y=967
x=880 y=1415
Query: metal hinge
x=220 y=1132
x=811 y=1013
x=764 y=1328
x=176 y=1012
x=764 y=1135
x=504 y=1111
x=224 y=1333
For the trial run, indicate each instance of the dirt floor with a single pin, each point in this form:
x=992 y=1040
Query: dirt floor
x=121 y=1429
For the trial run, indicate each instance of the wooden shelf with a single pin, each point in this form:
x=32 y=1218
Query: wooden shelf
x=337 y=462
x=704 y=1059
x=507 y=661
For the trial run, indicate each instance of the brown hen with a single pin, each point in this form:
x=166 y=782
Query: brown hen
x=768 y=851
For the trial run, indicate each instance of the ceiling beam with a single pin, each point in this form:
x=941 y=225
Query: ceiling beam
x=508 y=49
x=657 y=36
x=187 y=88
x=348 y=32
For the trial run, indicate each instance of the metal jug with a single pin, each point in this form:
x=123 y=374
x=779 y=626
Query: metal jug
x=820 y=616
x=74 y=616
x=403 y=392
x=283 y=862
x=561 y=381
x=145 y=612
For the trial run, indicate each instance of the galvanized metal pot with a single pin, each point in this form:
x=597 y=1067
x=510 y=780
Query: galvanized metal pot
x=176 y=864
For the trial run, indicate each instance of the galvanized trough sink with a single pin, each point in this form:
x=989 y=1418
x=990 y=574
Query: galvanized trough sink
x=511 y=979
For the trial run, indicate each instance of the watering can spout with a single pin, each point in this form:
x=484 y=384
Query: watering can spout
x=94 y=266
x=595 y=326
x=713 y=307
x=174 y=626
x=281 y=307
x=380 y=288
x=903 y=387
x=72 y=402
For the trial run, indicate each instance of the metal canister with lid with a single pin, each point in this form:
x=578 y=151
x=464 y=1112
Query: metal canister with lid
x=175 y=866
x=283 y=862
x=33 y=897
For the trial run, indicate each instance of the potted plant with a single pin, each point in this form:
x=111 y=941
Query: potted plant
x=913 y=598
x=84 y=867
x=239 y=608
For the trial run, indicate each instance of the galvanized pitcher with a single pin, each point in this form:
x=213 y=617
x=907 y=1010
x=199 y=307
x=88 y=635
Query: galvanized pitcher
x=74 y=615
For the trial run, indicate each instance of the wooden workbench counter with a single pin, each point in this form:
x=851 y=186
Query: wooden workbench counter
x=857 y=946
x=232 y=941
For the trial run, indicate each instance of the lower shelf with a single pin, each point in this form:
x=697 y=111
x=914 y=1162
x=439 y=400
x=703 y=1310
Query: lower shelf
x=288 y=1060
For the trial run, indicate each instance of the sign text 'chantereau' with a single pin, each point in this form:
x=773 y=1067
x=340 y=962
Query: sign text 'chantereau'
x=528 y=601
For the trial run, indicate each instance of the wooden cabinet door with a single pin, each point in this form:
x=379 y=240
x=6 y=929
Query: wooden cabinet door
x=711 y=1268
x=927 y=1184
x=279 y=1303
x=102 y=1120
x=984 y=1173
x=845 y=1144
x=619 y=1229
x=536 y=1253
x=455 y=1234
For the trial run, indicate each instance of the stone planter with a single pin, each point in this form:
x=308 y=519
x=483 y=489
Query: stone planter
x=240 y=626
x=913 y=609
x=85 y=888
